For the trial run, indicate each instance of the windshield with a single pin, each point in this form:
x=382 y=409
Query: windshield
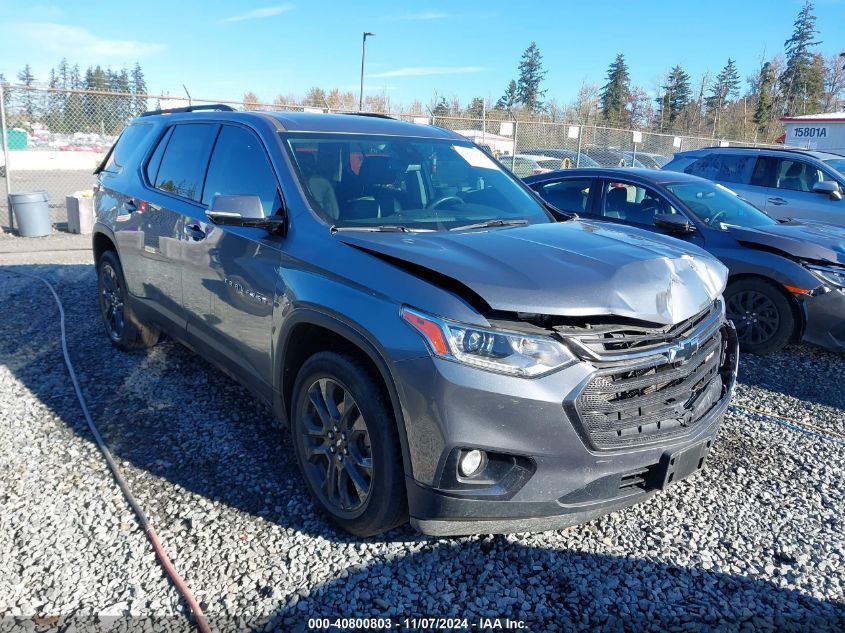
x=357 y=181
x=838 y=164
x=719 y=207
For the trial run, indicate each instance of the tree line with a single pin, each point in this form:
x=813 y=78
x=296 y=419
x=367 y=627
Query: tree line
x=78 y=100
x=800 y=80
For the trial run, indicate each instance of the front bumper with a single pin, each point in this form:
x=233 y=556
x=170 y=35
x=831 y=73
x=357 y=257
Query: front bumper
x=558 y=479
x=825 y=320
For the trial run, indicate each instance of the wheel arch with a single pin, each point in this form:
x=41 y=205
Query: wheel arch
x=797 y=310
x=100 y=243
x=308 y=331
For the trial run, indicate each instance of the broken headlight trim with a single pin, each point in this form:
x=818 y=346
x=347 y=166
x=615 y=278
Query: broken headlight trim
x=829 y=274
x=490 y=349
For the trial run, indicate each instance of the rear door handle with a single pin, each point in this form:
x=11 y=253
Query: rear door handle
x=777 y=201
x=195 y=232
x=129 y=206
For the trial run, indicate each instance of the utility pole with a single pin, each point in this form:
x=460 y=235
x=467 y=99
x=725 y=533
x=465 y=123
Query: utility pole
x=363 y=56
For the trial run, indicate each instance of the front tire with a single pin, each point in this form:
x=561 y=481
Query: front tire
x=346 y=444
x=124 y=329
x=762 y=315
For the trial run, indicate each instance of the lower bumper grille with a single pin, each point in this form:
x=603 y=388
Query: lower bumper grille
x=625 y=406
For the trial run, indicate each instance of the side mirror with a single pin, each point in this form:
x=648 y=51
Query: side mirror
x=831 y=189
x=674 y=223
x=244 y=211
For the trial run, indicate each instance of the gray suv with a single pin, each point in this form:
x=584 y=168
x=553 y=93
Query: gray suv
x=785 y=183
x=443 y=346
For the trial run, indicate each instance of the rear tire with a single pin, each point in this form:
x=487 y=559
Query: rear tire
x=347 y=446
x=124 y=329
x=762 y=315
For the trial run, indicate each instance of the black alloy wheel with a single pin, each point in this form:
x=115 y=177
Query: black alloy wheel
x=112 y=299
x=762 y=315
x=337 y=451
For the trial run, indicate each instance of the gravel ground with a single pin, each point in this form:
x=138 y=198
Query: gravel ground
x=756 y=541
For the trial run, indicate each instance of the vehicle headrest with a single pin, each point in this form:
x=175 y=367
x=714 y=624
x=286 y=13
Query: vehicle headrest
x=379 y=170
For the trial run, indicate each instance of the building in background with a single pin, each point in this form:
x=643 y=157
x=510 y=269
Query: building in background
x=823 y=131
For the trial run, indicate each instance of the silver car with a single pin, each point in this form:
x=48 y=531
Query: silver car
x=786 y=183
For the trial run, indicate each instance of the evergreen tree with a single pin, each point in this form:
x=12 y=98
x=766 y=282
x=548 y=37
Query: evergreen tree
x=725 y=87
x=531 y=75
x=677 y=95
x=442 y=108
x=475 y=110
x=797 y=79
x=139 y=89
x=616 y=93
x=765 y=98
x=55 y=107
x=508 y=100
x=74 y=106
x=27 y=97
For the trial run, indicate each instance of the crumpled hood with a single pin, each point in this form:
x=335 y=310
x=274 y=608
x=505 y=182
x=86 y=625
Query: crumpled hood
x=807 y=240
x=574 y=268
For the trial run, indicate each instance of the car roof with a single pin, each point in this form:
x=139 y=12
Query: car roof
x=652 y=176
x=820 y=155
x=317 y=122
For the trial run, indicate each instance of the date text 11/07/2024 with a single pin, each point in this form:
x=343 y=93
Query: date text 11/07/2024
x=418 y=623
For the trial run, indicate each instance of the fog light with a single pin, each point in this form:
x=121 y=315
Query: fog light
x=471 y=462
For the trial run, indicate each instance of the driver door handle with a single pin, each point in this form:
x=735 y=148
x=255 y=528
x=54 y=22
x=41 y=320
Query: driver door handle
x=194 y=231
x=777 y=201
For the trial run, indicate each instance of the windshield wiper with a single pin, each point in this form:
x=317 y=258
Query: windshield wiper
x=489 y=224
x=381 y=228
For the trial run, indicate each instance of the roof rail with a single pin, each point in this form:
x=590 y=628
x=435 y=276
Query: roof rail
x=376 y=115
x=798 y=150
x=220 y=107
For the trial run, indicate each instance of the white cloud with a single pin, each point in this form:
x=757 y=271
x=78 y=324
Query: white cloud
x=257 y=14
x=63 y=37
x=425 y=71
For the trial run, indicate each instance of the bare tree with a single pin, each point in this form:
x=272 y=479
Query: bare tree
x=834 y=81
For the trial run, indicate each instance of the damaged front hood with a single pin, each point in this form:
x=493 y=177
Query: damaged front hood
x=574 y=269
x=805 y=240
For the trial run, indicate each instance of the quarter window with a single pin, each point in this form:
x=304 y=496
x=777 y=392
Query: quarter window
x=129 y=142
x=239 y=166
x=185 y=160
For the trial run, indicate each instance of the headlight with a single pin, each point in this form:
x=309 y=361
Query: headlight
x=494 y=350
x=828 y=274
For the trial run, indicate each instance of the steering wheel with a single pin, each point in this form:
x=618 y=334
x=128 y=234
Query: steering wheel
x=715 y=219
x=444 y=200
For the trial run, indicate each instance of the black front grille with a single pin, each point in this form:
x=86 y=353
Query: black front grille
x=628 y=405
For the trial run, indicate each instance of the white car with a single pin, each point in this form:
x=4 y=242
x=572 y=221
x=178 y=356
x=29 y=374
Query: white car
x=523 y=165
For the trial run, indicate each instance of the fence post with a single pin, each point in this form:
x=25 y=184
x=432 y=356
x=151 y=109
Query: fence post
x=580 y=136
x=5 y=141
x=515 y=136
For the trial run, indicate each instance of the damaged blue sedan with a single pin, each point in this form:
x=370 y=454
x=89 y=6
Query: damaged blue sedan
x=787 y=279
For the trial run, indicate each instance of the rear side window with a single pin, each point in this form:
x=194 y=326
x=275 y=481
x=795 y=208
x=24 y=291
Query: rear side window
x=723 y=167
x=567 y=195
x=131 y=141
x=185 y=159
x=239 y=166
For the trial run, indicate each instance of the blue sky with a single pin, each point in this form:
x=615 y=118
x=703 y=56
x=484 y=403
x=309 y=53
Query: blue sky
x=460 y=48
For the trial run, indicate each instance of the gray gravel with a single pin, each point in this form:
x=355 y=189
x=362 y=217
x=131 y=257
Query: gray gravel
x=756 y=541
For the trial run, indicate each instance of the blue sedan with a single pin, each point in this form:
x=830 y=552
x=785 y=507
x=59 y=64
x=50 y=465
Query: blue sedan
x=787 y=279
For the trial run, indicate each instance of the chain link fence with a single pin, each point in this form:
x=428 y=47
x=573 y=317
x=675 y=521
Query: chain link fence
x=55 y=138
